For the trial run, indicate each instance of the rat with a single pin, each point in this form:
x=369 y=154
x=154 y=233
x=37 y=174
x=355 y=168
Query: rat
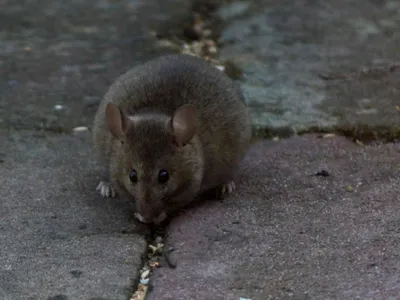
x=169 y=130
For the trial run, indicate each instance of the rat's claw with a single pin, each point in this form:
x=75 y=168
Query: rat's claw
x=227 y=188
x=105 y=189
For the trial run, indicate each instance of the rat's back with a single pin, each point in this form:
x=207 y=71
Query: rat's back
x=168 y=82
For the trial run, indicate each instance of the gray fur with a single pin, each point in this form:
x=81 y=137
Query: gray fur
x=151 y=93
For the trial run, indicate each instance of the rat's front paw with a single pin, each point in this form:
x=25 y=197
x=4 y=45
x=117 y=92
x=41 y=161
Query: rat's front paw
x=225 y=189
x=105 y=189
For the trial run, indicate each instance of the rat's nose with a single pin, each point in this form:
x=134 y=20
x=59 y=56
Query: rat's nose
x=148 y=213
x=161 y=217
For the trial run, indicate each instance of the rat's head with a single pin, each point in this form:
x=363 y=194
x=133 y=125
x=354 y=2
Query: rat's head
x=159 y=162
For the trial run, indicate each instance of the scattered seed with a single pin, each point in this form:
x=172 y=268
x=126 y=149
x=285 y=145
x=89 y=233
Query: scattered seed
x=140 y=294
x=145 y=274
x=153 y=248
x=154 y=264
x=349 y=188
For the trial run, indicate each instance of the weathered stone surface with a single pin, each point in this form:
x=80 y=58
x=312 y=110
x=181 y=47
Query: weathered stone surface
x=283 y=47
x=58 y=235
x=59 y=238
x=284 y=234
x=58 y=59
x=287 y=234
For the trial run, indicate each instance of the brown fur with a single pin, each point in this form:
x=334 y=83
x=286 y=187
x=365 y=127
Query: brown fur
x=148 y=96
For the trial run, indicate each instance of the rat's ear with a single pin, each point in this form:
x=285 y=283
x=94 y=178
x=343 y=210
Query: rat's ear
x=184 y=124
x=116 y=121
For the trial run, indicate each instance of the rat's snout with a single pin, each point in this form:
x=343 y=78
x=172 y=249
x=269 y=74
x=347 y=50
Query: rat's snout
x=161 y=217
x=149 y=213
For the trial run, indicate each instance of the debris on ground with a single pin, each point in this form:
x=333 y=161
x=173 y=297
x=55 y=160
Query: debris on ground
x=155 y=250
x=198 y=39
x=198 y=42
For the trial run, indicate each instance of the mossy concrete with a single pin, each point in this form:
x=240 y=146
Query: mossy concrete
x=284 y=48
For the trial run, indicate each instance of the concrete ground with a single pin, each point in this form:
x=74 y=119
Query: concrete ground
x=287 y=233
x=59 y=238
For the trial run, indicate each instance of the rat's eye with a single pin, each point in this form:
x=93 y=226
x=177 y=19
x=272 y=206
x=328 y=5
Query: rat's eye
x=133 y=175
x=163 y=176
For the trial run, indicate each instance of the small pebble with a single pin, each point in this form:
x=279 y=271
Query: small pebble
x=59 y=107
x=80 y=129
x=221 y=68
x=171 y=261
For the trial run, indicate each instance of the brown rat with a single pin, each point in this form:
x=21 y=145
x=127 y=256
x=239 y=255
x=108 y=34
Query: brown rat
x=170 y=129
